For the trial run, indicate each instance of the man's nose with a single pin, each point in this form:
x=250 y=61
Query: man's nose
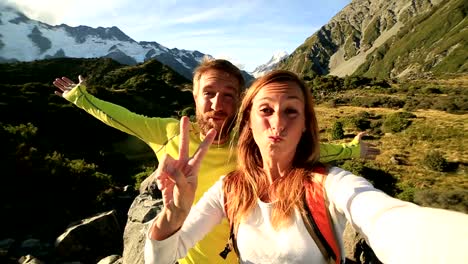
x=216 y=102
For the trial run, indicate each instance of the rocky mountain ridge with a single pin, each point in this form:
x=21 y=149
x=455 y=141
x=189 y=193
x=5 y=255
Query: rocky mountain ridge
x=362 y=37
x=24 y=39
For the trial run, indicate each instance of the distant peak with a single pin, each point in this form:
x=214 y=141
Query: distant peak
x=279 y=55
x=271 y=64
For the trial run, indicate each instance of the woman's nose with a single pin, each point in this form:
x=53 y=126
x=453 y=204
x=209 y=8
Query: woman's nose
x=277 y=123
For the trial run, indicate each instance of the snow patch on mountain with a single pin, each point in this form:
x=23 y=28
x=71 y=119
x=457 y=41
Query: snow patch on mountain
x=270 y=65
x=23 y=39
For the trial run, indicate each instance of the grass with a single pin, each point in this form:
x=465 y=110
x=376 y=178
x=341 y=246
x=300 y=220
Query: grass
x=430 y=130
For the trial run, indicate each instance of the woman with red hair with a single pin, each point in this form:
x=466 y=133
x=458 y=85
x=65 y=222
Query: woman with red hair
x=267 y=197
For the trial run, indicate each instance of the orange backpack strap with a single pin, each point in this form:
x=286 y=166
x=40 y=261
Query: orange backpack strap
x=319 y=218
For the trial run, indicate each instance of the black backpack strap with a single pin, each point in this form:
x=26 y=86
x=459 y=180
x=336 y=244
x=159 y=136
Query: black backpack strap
x=231 y=244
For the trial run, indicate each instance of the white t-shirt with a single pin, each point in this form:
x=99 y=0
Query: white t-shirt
x=260 y=243
x=398 y=231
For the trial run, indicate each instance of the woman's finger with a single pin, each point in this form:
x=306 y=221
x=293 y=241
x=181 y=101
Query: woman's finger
x=184 y=139
x=202 y=149
x=179 y=178
x=166 y=165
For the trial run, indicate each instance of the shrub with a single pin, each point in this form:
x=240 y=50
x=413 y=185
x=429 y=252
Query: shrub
x=396 y=122
x=407 y=194
x=190 y=112
x=141 y=176
x=360 y=121
x=453 y=199
x=431 y=90
x=378 y=101
x=380 y=178
x=337 y=130
x=435 y=161
x=376 y=127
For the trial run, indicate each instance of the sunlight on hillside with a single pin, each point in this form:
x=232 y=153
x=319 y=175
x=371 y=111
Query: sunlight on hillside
x=430 y=130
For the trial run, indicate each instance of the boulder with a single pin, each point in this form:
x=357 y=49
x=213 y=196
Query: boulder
x=143 y=209
x=91 y=239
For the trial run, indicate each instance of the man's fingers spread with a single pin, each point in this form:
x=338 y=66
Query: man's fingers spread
x=360 y=135
x=68 y=81
x=60 y=83
x=373 y=151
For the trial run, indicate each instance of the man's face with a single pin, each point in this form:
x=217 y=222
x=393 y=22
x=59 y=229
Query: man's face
x=216 y=103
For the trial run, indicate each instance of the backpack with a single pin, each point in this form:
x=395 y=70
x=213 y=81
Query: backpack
x=317 y=220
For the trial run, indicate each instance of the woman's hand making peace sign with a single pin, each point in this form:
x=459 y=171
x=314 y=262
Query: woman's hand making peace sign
x=177 y=179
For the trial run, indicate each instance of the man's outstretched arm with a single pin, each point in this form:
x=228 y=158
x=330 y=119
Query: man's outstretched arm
x=113 y=115
x=354 y=149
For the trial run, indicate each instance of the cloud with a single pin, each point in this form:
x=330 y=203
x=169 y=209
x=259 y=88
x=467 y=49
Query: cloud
x=39 y=11
x=218 y=11
x=226 y=56
x=195 y=16
x=55 y=12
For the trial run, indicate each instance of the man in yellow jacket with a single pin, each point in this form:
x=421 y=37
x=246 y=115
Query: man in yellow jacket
x=217 y=88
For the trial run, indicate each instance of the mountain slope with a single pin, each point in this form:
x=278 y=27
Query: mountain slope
x=357 y=39
x=424 y=45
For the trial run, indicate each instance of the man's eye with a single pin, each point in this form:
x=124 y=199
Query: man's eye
x=291 y=112
x=208 y=94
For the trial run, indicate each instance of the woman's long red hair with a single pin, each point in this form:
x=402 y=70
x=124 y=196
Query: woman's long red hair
x=248 y=183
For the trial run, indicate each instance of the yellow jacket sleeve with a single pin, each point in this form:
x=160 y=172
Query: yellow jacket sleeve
x=149 y=129
x=331 y=152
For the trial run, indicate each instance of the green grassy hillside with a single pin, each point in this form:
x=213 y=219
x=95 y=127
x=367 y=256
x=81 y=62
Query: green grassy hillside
x=60 y=160
x=421 y=129
x=433 y=42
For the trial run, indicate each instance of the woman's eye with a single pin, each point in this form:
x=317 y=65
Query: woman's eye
x=266 y=110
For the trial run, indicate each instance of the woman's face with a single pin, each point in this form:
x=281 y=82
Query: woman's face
x=277 y=119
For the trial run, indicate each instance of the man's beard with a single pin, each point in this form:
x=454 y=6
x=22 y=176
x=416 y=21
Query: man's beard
x=205 y=124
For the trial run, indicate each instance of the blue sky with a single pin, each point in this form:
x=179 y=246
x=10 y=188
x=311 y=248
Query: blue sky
x=246 y=32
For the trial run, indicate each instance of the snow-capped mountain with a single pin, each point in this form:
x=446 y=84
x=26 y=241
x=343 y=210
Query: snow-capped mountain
x=270 y=65
x=23 y=39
